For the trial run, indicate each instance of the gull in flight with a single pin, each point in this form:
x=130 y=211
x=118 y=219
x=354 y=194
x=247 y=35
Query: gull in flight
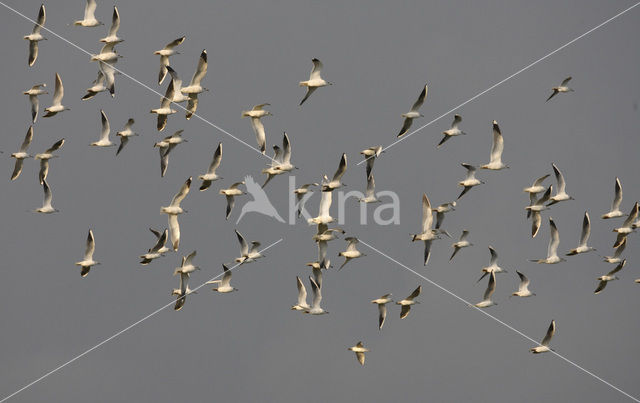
x=230 y=194
x=89 y=15
x=187 y=266
x=36 y=36
x=454 y=131
x=561 y=194
x=627 y=226
x=413 y=113
x=109 y=73
x=382 y=308
x=324 y=216
x=407 y=302
x=427 y=234
x=247 y=255
x=359 y=349
x=323 y=235
x=194 y=88
x=173 y=210
x=211 y=175
x=107 y=54
x=182 y=291
x=125 y=134
x=609 y=277
x=470 y=180
x=616 y=254
x=224 y=284
x=164 y=53
x=491 y=288
x=535 y=207
x=178 y=96
x=165 y=108
x=351 y=252
x=315 y=81
x=317 y=298
x=22 y=154
x=33 y=93
x=493 y=265
x=497 y=146
x=552 y=250
x=56 y=105
x=302 y=194
x=336 y=183
x=370 y=195
x=87 y=262
x=98 y=85
x=281 y=161
x=112 y=37
x=544 y=344
x=104 y=140
x=44 y=159
x=159 y=249
x=523 y=287
x=255 y=114
x=370 y=154
x=301 y=305
x=440 y=212
x=462 y=243
x=534 y=189
x=316 y=269
x=584 y=237
x=46 y=208
x=165 y=146
x=615 y=206
x=561 y=88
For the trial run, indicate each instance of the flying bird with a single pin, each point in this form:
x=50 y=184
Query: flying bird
x=370 y=154
x=104 y=140
x=413 y=113
x=301 y=305
x=359 y=349
x=159 y=249
x=462 y=243
x=224 y=284
x=44 y=159
x=22 y=154
x=173 y=210
x=302 y=194
x=382 y=308
x=427 y=234
x=165 y=107
x=187 y=265
x=112 y=36
x=182 y=292
x=109 y=73
x=97 y=86
x=211 y=175
x=281 y=163
x=351 y=252
x=537 y=186
x=317 y=298
x=165 y=146
x=627 y=226
x=33 y=93
x=178 y=96
x=247 y=255
x=453 y=131
x=491 y=288
x=315 y=81
x=324 y=214
x=335 y=182
x=230 y=193
x=493 y=265
x=441 y=210
x=36 y=36
x=255 y=114
x=125 y=134
x=609 y=277
x=370 y=195
x=194 y=88
x=561 y=88
x=615 y=206
x=544 y=344
x=584 y=237
x=470 y=180
x=561 y=194
x=616 y=254
x=535 y=207
x=407 y=302
x=46 y=208
x=56 y=105
x=87 y=262
x=89 y=19
x=497 y=146
x=107 y=54
x=552 y=250
x=523 y=287
x=164 y=53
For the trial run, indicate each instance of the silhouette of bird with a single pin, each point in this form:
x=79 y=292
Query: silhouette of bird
x=260 y=203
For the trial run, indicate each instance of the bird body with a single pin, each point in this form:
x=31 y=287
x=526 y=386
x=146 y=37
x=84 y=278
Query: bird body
x=315 y=80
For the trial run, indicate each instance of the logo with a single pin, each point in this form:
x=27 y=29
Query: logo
x=260 y=203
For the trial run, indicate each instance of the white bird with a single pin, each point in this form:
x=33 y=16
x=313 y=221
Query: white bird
x=164 y=53
x=187 y=265
x=627 y=226
x=615 y=206
x=36 y=36
x=173 y=210
x=255 y=114
x=370 y=154
x=616 y=254
x=247 y=255
x=523 y=287
x=441 y=210
x=497 y=146
x=407 y=302
x=316 y=268
x=453 y=131
x=359 y=349
x=33 y=93
x=22 y=154
x=46 y=208
x=609 y=277
x=315 y=81
x=302 y=194
x=112 y=37
x=107 y=54
x=125 y=134
x=462 y=243
x=44 y=159
x=104 y=140
x=230 y=193
x=561 y=194
x=427 y=234
x=56 y=105
x=544 y=344
x=301 y=305
x=165 y=146
x=87 y=262
x=165 y=107
x=470 y=180
x=324 y=215
x=351 y=252
x=98 y=85
x=335 y=182
x=382 y=308
x=370 y=195
x=109 y=73
x=194 y=88
x=584 y=237
x=326 y=234
x=224 y=284
x=535 y=207
x=493 y=265
x=178 y=96
x=281 y=162
x=561 y=88
x=182 y=292
x=537 y=185
x=317 y=298
x=552 y=250
x=413 y=113
x=158 y=250
x=211 y=175
x=89 y=19
x=491 y=288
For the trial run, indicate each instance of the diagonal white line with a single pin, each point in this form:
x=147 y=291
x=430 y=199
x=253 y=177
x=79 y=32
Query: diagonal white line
x=108 y=339
x=137 y=82
x=495 y=319
x=525 y=68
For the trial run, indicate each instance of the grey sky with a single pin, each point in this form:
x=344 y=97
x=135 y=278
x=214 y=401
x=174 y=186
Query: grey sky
x=248 y=346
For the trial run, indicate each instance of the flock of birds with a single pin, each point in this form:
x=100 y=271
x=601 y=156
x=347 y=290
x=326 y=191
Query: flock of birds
x=541 y=197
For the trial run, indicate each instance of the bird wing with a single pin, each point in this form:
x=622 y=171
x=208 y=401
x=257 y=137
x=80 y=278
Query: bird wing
x=244 y=247
x=322 y=251
x=550 y=332
x=17 y=169
x=56 y=146
x=33 y=52
x=618 y=196
x=601 y=285
x=342 y=167
x=174 y=225
x=633 y=215
x=174 y=43
x=586 y=229
x=58 y=92
x=42 y=17
x=258 y=129
x=494 y=256
x=177 y=199
x=554 y=241
x=536 y=221
x=464 y=235
x=565 y=81
x=115 y=22
x=47 y=193
x=404 y=311
x=302 y=293
x=44 y=171
x=617 y=268
x=192 y=106
x=27 y=140
x=497 y=146
x=456 y=121
x=471 y=170
x=231 y=201
x=317 y=293
x=541 y=179
x=439 y=219
x=90 y=247
x=226 y=277
x=559 y=179
x=382 y=311
x=371 y=186
x=90 y=9
x=106 y=127
x=491 y=286
x=286 y=149
x=310 y=91
x=427 y=251
x=524 y=281
x=168 y=96
x=352 y=244
x=35 y=104
x=162 y=239
x=427 y=214
x=325 y=203
x=405 y=126
x=201 y=69
x=423 y=94
x=217 y=158
x=316 y=70
x=360 y=357
x=415 y=293
x=189 y=258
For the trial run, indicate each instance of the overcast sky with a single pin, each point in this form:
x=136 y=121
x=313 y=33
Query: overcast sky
x=248 y=345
